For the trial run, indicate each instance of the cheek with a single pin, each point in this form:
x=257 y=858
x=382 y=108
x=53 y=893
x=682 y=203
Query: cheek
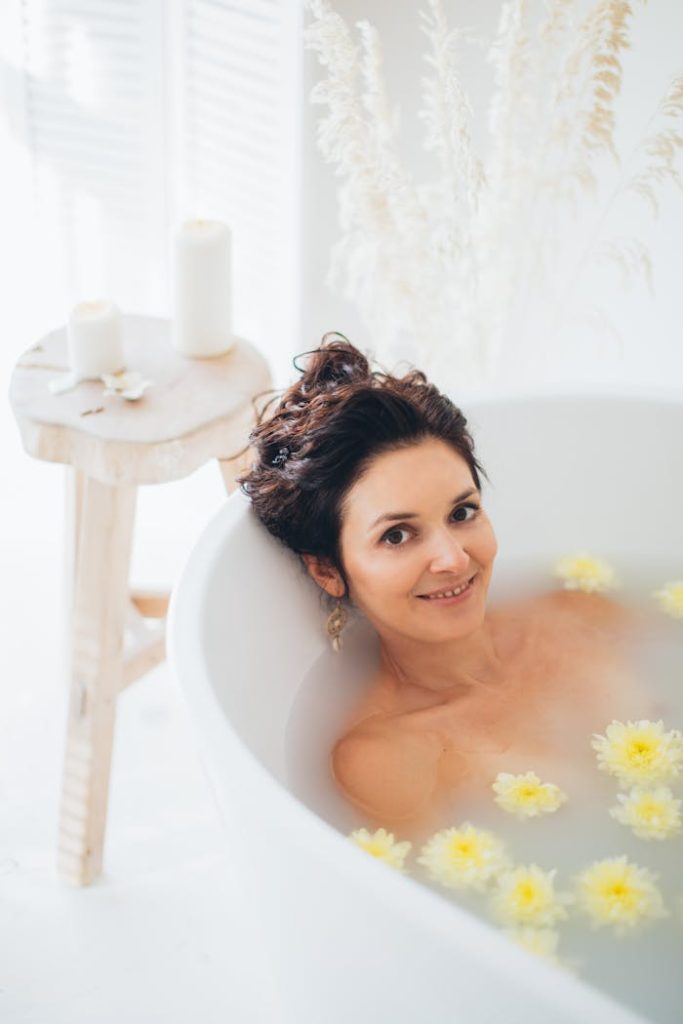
x=378 y=577
x=487 y=543
x=390 y=573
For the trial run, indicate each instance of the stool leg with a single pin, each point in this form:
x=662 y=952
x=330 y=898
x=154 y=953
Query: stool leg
x=103 y=546
x=73 y=503
x=230 y=468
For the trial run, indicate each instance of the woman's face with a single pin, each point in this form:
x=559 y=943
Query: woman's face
x=412 y=525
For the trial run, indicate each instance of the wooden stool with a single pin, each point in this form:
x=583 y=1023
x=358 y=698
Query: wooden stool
x=195 y=410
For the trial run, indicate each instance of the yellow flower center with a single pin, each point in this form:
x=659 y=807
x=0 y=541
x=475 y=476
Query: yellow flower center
x=620 y=892
x=650 y=809
x=526 y=892
x=466 y=848
x=640 y=751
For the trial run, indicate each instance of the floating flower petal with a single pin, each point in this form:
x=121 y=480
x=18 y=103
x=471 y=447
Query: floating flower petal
x=381 y=844
x=639 y=752
x=525 y=795
x=584 y=572
x=464 y=857
x=651 y=813
x=618 y=893
x=670 y=598
x=526 y=895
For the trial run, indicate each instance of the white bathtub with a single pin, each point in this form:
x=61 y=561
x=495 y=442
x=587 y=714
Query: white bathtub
x=345 y=938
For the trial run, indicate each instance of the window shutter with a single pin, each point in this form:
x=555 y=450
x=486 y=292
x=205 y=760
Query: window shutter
x=239 y=129
x=94 y=123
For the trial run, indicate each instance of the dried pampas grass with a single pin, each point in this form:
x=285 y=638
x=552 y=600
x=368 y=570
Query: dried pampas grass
x=471 y=266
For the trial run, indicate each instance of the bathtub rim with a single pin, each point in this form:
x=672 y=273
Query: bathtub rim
x=435 y=911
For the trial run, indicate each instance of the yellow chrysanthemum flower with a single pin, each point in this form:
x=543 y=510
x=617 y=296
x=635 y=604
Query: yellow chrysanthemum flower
x=670 y=598
x=525 y=795
x=526 y=895
x=615 y=892
x=639 y=752
x=381 y=844
x=464 y=857
x=584 y=572
x=651 y=813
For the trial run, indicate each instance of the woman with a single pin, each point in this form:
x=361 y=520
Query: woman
x=373 y=480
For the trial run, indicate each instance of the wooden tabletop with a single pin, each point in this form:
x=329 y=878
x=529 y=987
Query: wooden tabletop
x=194 y=410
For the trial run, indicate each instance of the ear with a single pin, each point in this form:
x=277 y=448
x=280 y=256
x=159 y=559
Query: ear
x=324 y=575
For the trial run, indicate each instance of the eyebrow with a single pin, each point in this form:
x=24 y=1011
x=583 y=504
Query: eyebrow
x=391 y=516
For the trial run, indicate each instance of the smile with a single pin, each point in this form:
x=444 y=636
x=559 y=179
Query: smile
x=450 y=596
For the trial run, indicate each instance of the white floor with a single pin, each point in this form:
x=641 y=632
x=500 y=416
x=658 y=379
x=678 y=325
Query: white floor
x=165 y=933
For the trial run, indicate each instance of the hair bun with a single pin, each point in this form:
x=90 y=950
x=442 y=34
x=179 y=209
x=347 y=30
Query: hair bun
x=333 y=363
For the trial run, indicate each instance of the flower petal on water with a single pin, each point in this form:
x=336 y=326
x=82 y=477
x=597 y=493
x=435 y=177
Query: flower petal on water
x=582 y=571
x=525 y=795
x=381 y=844
x=639 y=752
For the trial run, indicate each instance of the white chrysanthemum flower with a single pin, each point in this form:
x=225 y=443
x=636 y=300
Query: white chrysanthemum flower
x=525 y=795
x=526 y=895
x=381 y=844
x=617 y=893
x=670 y=598
x=651 y=813
x=584 y=572
x=464 y=857
x=639 y=752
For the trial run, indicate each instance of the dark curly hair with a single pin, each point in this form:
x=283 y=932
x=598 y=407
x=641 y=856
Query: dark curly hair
x=327 y=429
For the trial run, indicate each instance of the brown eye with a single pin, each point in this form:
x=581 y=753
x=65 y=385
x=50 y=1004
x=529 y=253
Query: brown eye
x=474 y=507
x=394 y=530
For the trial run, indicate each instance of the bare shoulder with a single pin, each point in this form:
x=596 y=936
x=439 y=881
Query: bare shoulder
x=388 y=767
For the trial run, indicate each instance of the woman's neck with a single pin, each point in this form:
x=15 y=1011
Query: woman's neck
x=462 y=665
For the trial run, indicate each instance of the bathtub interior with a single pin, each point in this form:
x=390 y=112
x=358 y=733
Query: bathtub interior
x=565 y=472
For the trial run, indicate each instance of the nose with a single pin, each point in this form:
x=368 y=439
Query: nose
x=448 y=553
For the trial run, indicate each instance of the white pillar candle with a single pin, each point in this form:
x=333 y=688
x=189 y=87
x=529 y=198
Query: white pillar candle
x=202 y=321
x=95 y=339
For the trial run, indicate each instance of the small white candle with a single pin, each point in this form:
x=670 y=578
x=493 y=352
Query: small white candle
x=202 y=320
x=95 y=339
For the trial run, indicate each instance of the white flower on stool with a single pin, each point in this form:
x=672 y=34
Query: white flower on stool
x=129 y=384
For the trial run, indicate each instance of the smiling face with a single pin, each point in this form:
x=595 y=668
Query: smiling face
x=412 y=525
